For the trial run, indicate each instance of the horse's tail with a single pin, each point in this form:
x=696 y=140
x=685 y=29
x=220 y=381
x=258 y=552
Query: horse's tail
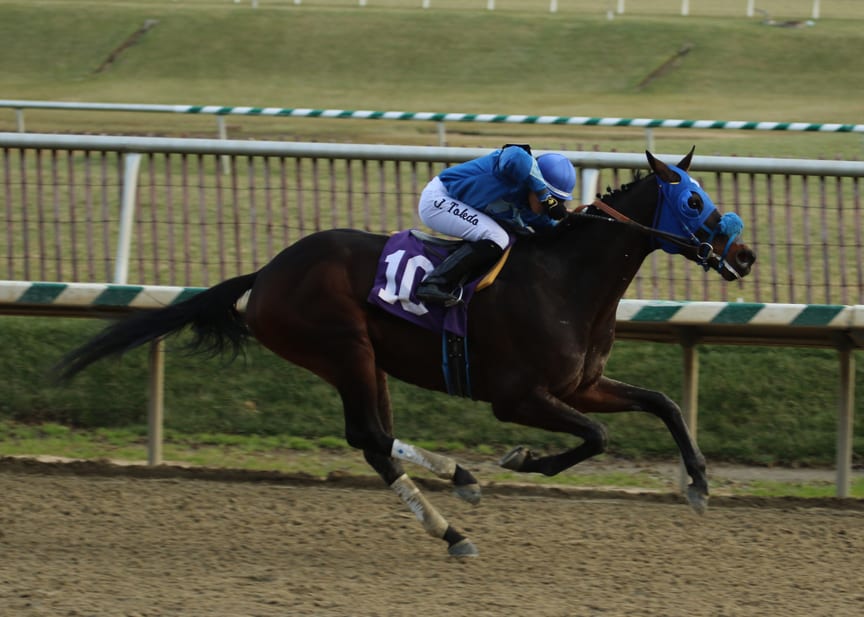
x=212 y=315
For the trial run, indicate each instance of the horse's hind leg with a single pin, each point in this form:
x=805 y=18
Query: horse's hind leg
x=434 y=524
x=341 y=354
x=465 y=485
x=368 y=427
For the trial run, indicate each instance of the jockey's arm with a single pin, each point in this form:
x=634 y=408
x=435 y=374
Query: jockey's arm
x=557 y=211
x=534 y=203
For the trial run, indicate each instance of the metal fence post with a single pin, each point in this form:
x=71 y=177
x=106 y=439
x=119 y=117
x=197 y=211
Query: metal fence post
x=845 y=413
x=223 y=134
x=590 y=178
x=649 y=139
x=690 y=395
x=155 y=402
x=131 y=165
x=156 y=364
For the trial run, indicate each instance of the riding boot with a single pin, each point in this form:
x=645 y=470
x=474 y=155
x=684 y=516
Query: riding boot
x=444 y=284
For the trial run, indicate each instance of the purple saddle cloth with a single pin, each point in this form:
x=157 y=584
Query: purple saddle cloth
x=404 y=262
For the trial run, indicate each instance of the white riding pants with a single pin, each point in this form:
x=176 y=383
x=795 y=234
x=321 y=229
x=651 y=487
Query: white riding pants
x=450 y=216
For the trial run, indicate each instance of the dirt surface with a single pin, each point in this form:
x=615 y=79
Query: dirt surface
x=94 y=539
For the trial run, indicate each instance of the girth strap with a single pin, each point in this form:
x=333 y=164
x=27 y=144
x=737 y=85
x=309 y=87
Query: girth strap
x=455 y=364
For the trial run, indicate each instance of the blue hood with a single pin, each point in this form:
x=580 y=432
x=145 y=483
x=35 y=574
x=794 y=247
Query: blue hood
x=674 y=215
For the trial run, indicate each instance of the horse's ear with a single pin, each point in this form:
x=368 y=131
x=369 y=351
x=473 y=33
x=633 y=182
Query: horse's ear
x=685 y=162
x=662 y=170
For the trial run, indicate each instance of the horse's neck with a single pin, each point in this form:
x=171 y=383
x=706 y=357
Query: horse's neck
x=604 y=260
x=612 y=251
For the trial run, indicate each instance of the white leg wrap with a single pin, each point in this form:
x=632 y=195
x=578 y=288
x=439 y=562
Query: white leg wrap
x=433 y=523
x=441 y=466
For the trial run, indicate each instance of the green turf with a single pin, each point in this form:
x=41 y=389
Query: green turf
x=746 y=414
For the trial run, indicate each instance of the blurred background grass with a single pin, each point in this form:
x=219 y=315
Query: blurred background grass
x=513 y=60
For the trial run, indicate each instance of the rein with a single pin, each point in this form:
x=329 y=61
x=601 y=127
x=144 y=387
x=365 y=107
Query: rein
x=704 y=250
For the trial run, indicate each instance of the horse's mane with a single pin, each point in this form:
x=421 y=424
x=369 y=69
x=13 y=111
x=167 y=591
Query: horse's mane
x=612 y=195
x=588 y=214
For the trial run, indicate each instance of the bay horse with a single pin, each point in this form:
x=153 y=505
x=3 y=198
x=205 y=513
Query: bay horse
x=540 y=335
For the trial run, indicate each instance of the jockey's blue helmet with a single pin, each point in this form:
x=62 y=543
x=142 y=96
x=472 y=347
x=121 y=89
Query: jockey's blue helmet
x=558 y=173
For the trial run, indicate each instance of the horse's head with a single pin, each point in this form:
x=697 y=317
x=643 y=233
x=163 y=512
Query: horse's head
x=689 y=223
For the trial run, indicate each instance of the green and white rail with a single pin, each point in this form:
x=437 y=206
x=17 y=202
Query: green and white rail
x=636 y=316
x=221 y=111
x=428 y=116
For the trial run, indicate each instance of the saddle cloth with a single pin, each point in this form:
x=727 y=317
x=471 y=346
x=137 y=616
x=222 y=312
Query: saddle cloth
x=405 y=260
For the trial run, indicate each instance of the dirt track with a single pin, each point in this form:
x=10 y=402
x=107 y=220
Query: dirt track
x=99 y=545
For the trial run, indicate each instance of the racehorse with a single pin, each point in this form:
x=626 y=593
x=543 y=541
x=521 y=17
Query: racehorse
x=539 y=336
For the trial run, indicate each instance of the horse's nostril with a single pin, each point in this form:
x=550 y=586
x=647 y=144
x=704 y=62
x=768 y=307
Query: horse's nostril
x=745 y=257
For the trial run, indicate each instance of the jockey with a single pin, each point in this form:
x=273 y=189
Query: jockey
x=477 y=199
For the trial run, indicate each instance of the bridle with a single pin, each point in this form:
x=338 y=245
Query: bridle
x=730 y=224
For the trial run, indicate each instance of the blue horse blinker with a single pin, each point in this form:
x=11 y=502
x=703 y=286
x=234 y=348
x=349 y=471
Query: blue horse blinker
x=675 y=216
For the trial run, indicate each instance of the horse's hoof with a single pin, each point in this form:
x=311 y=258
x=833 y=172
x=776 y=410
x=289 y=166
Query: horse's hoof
x=698 y=499
x=463 y=548
x=515 y=459
x=468 y=492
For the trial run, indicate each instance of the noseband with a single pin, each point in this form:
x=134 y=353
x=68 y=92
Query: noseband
x=731 y=226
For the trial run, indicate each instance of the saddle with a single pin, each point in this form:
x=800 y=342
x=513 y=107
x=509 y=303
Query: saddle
x=405 y=260
x=451 y=245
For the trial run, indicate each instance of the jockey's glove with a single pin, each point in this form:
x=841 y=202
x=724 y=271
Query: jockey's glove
x=555 y=210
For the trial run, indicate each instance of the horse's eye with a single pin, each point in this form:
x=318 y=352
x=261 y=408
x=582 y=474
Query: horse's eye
x=695 y=202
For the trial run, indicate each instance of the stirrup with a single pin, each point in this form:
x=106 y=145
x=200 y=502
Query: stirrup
x=430 y=292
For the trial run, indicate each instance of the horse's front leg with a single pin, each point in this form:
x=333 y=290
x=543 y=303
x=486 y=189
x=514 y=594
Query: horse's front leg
x=540 y=409
x=609 y=396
